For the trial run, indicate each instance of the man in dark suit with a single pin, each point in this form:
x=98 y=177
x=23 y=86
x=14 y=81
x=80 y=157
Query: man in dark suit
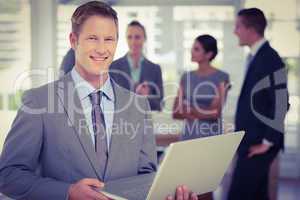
x=261 y=109
x=135 y=72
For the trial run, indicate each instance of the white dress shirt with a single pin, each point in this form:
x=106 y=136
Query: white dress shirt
x=83 y=89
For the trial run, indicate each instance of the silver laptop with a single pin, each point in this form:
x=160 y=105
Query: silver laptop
x=199 y=163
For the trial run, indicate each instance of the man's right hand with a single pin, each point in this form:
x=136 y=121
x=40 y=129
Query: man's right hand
x=86 y=189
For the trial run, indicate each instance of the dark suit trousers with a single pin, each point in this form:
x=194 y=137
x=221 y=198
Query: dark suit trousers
x=250 y=177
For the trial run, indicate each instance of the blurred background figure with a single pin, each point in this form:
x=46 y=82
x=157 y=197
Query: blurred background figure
x=202 y=92
x=135 y=72
x=259 y=100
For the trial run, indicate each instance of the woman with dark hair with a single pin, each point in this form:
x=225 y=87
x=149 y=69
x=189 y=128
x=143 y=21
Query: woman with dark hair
x=202 y=92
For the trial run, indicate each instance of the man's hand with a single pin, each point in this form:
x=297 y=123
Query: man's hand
x=85 y=189
x=258 y=149
x=143 y=89
x=183 y=193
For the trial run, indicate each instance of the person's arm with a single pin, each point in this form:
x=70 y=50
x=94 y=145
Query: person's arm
x=278 y=103
x=156 y=98
x=148 y=157
x=278 y=99
x=180 y=107
x=20 y=158
x=182 y=110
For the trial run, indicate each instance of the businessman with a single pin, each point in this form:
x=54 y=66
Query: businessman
x=132 y=71
x=72 y=135
x=261 y=109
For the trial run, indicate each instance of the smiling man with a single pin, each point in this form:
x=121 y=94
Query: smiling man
x=70 y=136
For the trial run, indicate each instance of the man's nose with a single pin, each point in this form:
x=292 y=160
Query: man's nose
x=100 y=48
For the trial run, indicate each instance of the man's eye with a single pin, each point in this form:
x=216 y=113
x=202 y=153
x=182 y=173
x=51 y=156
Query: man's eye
x=92 y=38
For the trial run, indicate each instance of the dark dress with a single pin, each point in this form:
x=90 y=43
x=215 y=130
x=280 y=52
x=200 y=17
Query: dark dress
x=199 y=91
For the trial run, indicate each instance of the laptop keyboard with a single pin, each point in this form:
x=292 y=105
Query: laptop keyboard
x=132 y=188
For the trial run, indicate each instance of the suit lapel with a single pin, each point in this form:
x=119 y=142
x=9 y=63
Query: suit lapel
x=71 y=102
x=116 y=135
x=252 y=66
x=126 y=66
x=127 y=70
x=143 y=70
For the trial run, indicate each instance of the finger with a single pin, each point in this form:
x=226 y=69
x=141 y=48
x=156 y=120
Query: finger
x=253 y=148
x=169 y=197
x=97 y=195
x=92 y=182
x=194 y=196
x=139 y=87
x=252 y=153
x=179 y=193
x=186 y=192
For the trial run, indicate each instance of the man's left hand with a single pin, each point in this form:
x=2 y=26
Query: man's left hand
x=258 y=149
x=183 y=193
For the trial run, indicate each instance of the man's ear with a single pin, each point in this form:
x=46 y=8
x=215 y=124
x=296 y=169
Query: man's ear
x=209 y=55
x=73 y=40
x=251 y=30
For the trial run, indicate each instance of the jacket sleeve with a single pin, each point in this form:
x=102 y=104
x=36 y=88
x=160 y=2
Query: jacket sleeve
x=279 y=102
x=21 y=157
x=157 y=92
x=148 y=157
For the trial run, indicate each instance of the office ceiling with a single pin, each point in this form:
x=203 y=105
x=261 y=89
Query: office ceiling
x=158 y=2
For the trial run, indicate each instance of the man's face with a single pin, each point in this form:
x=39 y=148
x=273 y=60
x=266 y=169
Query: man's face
x=135 y=39
x=242 y=32
x=95 y=45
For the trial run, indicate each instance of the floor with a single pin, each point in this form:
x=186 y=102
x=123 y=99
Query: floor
x=289 y=189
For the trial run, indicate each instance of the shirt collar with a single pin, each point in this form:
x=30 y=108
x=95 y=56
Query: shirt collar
x=84 y=88
x=130 y=61
x=257 y=45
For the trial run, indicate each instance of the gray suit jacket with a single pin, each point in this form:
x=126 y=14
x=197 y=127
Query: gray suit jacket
x=150 y=72
x=50 y=148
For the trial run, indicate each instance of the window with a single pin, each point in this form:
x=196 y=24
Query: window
x=15 y=48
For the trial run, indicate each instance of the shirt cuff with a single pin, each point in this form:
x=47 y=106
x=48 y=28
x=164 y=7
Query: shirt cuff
x=67 y=197
x=267 y=142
